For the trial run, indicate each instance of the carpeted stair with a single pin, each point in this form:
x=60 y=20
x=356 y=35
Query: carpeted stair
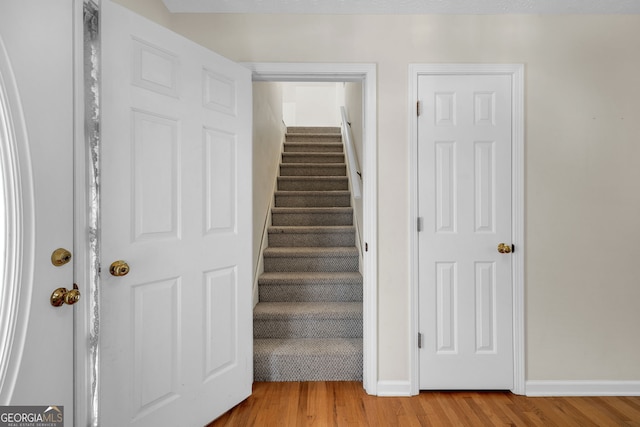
x=308 y=322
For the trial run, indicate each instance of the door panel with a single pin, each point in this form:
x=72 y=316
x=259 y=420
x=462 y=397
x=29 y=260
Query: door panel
x=464 y=150
x=176 y=206
x=36 y=68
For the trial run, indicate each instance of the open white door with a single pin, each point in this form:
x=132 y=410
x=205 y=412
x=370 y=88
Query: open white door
x=465 y=189
x=176 y=330
x=36 y=152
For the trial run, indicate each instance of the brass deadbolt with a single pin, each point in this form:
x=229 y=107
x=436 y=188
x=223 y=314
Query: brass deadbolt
x=60 y=257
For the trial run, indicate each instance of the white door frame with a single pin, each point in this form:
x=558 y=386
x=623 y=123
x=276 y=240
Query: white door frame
x=516 y=71
x=86 y=311
x=365 y=73
x=83 y=404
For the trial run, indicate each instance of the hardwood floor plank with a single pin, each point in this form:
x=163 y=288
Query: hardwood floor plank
x=519 y=417
x=371 y=408
x=623 y=409
x=550 y=410
x=496 y=404
x=627 y=406
x=572 y=413
x=339 y=403
x=451 y=409
x=354 y=412
x=475 y=404
x=431 y=407
x=600 y=415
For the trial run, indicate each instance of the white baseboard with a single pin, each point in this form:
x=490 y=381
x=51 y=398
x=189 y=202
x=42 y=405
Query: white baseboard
x=394 y=388
x=582 y=388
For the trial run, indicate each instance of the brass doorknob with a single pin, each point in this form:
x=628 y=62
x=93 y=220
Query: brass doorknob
x=60 y=257
x=119 y=268
x=63 y=296
x=504 y=249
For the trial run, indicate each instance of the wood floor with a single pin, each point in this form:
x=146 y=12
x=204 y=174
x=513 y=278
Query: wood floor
x=346 y=404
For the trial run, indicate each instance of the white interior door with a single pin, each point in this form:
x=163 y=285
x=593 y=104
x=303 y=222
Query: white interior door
x=36 y=140
x=464 y=169
x=176 y=338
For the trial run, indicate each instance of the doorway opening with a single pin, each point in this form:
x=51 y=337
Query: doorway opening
x=365 y=74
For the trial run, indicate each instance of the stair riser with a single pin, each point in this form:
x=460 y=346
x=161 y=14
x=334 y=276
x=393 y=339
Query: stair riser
x=282 y=240
x=311 y=147
x=313 y=185
x=307 y=328
x=301 y=137
x=293 y=169
x=311 y=219
x=288 y=158
x=277 y=367
x=312 y=201
x=328 y=263
x=315 y=293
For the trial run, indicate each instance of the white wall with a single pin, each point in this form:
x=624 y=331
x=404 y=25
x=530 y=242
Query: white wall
x=268 y=135
x=152 y=9
x=312 y=103
x=353 y=100
x=582 y=163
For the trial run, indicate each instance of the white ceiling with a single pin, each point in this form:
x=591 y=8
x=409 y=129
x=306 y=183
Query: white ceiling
x=481 y=7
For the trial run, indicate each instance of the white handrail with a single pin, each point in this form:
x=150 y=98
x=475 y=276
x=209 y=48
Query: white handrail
x=352 y=158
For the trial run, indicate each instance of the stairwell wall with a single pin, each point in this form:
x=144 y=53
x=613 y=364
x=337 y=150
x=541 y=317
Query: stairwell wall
x=268 y=135
x=582 y=113
x=151 y=9
x=312 y=103
x=353 y=100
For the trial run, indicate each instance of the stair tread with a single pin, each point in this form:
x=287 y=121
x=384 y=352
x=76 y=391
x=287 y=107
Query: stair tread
x=301 y=128
x=312 y=216
x=313 y=183
x=316 y=159
x=312 y=143
x=313 y=278
x=312 y=177
x=310 y=286
x=311 y=164
x=316 y=137
x=313 y=169
x=322 y=275
x=306 y=346
x=308 y=310
x=311 y=153
x=313 y=135
x=306 y=251
x=317 y=277
x=293 y=193
x=307 y=209
x=319 y=229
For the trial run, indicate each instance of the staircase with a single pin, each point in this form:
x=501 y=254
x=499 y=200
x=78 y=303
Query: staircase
x=308 y=322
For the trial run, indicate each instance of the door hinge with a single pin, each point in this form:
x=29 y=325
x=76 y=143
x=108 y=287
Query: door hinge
x=419 y=224
x=366 y=247
x=419 y=340
x=418 y=108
